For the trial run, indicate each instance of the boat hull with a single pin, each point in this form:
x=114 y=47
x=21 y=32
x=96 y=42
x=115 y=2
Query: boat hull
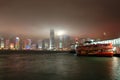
x=98 y=54
x=95 y=50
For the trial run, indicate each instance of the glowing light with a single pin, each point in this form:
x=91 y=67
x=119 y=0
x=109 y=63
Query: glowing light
x=17 y=37
x=114 y=48
x=104 y=33
x=60 y=33
x=12 y=46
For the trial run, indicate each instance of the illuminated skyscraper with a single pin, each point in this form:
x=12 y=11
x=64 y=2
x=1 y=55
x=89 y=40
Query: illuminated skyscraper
x=45 y=44
x=52 y=40
x=39 y=44
x=7 y=43
x=2 y=42
x=27 y=44
x=17 y=43
x=12 y=43
x=63 y=42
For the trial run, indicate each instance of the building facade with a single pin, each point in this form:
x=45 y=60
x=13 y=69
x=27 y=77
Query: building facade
x=52 y=39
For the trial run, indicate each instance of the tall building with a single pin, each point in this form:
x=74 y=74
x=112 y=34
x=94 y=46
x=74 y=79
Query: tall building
x=61 y=42
x=27 y=44
x=52 y=39
x=45 y=44
x=17 y=43
x=34 y=46
x=39 y=43
x=2 y=45
x=7 y=43
x=64 y=42
x=12 y=43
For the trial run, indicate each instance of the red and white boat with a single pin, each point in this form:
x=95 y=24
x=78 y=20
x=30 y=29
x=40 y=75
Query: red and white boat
x=95 y=50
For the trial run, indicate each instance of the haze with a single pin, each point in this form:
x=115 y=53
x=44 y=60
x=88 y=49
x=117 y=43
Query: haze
x=84 y=18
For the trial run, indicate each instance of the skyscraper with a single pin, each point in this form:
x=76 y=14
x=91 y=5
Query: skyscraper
x=17 y=43
x=7 y=43
x=52 y=39
x=27 y=44
x=2 y=42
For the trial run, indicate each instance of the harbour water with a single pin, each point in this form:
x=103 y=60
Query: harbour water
x=59 y=66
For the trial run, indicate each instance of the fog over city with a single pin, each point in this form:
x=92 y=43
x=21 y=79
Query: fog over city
x=83 y=18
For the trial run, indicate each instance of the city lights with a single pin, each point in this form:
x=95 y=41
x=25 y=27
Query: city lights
x=12 y=46
x=59 y=33
x=59 y=42
x=59 y=39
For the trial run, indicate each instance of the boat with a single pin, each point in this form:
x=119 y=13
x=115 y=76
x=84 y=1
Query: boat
x=95 y=50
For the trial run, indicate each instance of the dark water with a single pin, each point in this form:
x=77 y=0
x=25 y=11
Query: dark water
x=58 y=67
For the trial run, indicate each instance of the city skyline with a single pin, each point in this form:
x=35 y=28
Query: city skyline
x=61 y=42
x=81 y=18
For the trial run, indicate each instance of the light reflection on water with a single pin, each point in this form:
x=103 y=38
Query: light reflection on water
x=58 y=67
x=116 y=68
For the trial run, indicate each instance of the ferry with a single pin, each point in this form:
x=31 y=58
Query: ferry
x=95 y=50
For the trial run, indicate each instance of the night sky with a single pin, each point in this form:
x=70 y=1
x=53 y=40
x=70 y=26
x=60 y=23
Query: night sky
x=83 y=18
